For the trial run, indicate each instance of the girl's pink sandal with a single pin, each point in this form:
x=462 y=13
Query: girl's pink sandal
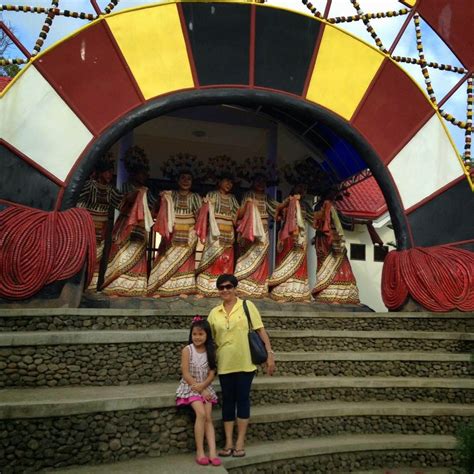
x=215 y=461
x=203 y=461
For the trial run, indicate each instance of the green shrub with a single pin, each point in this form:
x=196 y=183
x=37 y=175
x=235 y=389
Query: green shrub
x=465 y=446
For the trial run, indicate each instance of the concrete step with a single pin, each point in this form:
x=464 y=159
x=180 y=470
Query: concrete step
x=337 y=454
x=334 y=454
x=407 y=470
x=175 y=316
x=92 y=425
x=283 y=340
x=108 y=357
x=66 y=401
x=283 y=389
x=178 y=463
x=383 y=340
x=360 y=364
x=303 y=420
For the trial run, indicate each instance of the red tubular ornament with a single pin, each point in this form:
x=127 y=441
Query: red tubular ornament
x=439 y=278
x=38 y=247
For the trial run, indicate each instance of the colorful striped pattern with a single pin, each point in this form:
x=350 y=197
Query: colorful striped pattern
x=152 y=43
x=78 y=88
x=343 y=71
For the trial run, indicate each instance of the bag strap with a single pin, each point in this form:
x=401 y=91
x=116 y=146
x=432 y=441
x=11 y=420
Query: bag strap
x=247 y=313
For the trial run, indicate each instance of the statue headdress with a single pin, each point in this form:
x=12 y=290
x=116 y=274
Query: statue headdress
x=183 y=163
x=220 y=167
x=136 y=160
x=258 y=166
x=105 y=162
x=309 y=172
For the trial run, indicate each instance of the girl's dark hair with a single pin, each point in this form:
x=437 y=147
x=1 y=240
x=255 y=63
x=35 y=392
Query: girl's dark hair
x=209 y=344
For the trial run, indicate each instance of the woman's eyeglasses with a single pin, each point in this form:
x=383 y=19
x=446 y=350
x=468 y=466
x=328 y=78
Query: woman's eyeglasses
x=225 y=287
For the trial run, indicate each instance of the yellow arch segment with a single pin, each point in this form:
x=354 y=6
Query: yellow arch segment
x=152 y=42
x=342 y=73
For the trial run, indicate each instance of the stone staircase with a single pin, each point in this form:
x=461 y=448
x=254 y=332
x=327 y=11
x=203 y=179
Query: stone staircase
x=354 y=391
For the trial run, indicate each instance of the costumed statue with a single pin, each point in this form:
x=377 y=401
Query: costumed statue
x=126 y=273
x=215 y=227
x=98 y=196
x=173 y=271
x=335 y=282
x=289 y=280
x=252 y=267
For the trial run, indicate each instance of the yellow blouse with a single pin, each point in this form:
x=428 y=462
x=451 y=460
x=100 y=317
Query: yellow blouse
x=230 y=333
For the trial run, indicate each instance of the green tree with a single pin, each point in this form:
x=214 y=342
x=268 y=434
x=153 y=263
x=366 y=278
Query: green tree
x=10 y=70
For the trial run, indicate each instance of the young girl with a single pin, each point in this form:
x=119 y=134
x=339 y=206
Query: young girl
x=198 y=366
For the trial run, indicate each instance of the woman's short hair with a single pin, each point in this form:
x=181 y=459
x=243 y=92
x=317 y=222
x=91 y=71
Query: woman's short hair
x=226 y=277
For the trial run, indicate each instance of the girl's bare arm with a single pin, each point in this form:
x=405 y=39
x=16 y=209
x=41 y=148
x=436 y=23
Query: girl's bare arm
x=188 y=378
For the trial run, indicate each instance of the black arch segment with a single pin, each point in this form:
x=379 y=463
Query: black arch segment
x=220 y=40
x=284 y=44
x=446 y=218
x=249 y=98
x=23 y=184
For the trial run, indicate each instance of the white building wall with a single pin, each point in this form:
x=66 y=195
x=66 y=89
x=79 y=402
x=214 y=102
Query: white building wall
x=369 y=273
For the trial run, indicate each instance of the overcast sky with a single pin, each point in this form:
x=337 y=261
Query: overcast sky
x=28 y=25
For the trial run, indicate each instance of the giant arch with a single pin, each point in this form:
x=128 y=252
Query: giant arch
x=75 y=99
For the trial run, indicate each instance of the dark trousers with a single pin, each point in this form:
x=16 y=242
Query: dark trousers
x=236 y=395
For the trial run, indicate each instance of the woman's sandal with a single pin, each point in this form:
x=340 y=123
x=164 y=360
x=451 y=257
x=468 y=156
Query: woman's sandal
x=204 y=461
x=226 y=452
x=215 y=461
x=238 y=453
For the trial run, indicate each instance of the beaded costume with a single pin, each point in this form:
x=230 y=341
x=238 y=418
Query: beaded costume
x=218 y=253
x=173 y=272
x=335 y=282
x=97 y=198
x=252 y=267
x=289 y=280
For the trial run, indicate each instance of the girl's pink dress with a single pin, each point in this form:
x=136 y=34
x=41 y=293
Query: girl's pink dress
x=199 y=369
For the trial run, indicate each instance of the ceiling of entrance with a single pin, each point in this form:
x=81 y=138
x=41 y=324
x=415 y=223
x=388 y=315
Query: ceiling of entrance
x=243 y=133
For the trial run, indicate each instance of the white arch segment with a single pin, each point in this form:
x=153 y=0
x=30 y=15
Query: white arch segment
x=37 y=122
x=427 y=163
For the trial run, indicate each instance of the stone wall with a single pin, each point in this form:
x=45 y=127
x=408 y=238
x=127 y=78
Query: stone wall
x=350 y=462
x=30 y=445
x=330 y=426
x=148 y=362
x=359 y=394
x=167 y=320
x=376 y=368
x=89 y=364
x=33 y=444
x=368 y=344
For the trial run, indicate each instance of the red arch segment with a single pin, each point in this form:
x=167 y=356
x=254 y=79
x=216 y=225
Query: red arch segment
x=453 y=20
x=392 y=111
x=96 y=82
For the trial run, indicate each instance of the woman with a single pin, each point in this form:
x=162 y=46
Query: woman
x=173 y=271
x=126 y=273
x=289 y=280
x=335 y=282
x=252 y=267
x=215 y=227
x=230 y=328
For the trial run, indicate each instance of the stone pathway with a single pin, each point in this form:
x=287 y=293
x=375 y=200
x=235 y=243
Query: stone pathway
x=277 y=451
x=178 y=464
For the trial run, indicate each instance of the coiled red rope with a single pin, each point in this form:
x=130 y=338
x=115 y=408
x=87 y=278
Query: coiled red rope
x=440 y=278
x=38 y=247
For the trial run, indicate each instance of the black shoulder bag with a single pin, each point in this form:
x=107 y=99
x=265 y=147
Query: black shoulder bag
x=258 y=351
